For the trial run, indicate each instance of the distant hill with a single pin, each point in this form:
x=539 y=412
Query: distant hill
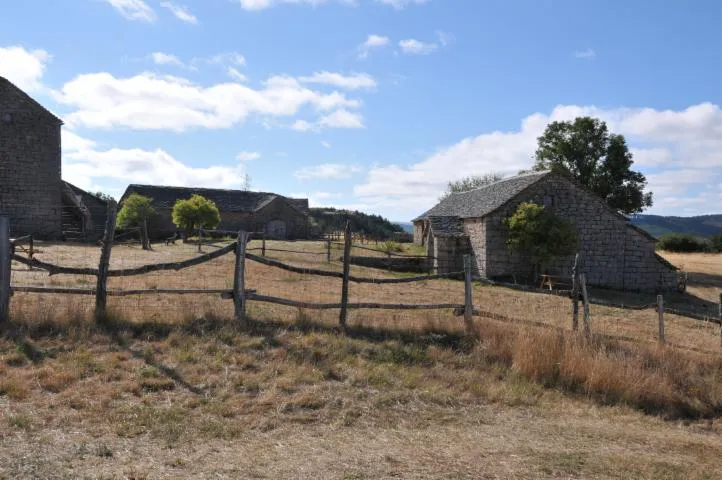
x=330 y=219
x=407 y=226
x=657 y=225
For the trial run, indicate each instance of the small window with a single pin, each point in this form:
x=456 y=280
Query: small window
x=548 y=200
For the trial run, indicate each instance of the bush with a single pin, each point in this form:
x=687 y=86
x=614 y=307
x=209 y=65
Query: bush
x=392 y=247
x=716 y=243
x=677 y=242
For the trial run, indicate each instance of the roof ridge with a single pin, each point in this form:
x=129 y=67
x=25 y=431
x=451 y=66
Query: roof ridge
x=526 y=174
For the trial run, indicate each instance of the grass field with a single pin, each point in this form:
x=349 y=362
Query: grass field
x=170 y=388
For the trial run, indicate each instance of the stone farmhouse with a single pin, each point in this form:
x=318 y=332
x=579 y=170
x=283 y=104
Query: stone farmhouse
x=278 y=216
x=32 y=192
x=614 y=253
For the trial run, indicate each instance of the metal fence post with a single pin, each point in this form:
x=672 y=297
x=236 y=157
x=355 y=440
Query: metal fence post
x=5 y=259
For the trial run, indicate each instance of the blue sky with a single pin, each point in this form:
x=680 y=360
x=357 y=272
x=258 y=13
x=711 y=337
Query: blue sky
x=368 y=104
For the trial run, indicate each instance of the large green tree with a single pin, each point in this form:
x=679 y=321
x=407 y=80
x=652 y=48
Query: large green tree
x=135 y=212
x=470 y=182
x=584 y=150
x=539 y=235
x=194 y=213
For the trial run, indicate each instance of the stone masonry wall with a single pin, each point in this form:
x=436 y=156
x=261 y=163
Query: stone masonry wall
x=30 y=185
x=449 y=254
x=419 y=232
x=475 y=228
x=613 y=254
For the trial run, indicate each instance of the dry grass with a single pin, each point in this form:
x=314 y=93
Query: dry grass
x=168 y=388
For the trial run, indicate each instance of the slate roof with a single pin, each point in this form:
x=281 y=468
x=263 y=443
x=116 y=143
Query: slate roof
x=482 y=201
x=447 y=226
x=226 y=200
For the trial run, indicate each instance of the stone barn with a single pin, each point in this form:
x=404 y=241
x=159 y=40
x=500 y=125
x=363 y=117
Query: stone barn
x=32 y=192
x=278 y=216
x=30 y=184
x=614 y=253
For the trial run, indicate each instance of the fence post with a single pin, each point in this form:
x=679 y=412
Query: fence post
x=468 y=300
x=660 y=311
x=343 y=316
x=575 y=295
x=5 y=259
x=200 y=238
x=263 y=244
x=585 y=297
x=328 y=248
x=239 y=278
x=101 y=288
x=720 y=317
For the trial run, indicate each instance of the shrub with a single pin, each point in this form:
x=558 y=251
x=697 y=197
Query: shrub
x=678 y=242
x=716 y=243
x=391 y=247
x=195 y=212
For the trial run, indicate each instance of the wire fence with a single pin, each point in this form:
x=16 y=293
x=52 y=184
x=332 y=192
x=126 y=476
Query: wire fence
x=300 y=274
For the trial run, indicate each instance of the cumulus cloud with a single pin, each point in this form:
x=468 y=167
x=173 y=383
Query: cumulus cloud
x=412 y=46
x=342 y=118
x=160 y=58
x=136 y=10
x=327 y=171
x=151 y=102
x=181 y=12
x=678 y=150
x=24 y=68
x=373 y=42
x=349 y=82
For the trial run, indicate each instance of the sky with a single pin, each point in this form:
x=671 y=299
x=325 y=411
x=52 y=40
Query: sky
x=372 y=105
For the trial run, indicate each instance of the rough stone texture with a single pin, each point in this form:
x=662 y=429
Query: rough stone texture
x=419 y=232
x=98 y=209
x=613 y=253
x=395 y=264
x=448 y=253
x=30 y=185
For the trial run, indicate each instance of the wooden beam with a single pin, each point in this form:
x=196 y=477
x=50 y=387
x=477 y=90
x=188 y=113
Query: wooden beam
x=343 y=315
x=468 y=301
x=101 y=292
x=5 y=271
x=660 y=316
x=575 y=295
x=239 y=278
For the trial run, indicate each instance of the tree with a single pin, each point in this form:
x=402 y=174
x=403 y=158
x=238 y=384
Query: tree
x=194 y=213
x=470 y=182
x=539 y=234
x=103 y=196
x=585 y=151
x=135 y=212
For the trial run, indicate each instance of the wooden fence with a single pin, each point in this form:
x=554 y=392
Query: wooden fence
x=241 y=295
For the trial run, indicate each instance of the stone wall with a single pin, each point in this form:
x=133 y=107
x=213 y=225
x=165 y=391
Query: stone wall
x=419 y=232
x=613 y=254
x=475 y=228
x=448 y=253
x=30 y=185
x=395 y=264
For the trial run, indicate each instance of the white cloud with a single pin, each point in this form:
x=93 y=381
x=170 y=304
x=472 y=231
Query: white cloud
x=24 y=68
x=160 y=58
x=415 y=47
x=247 y=156
x=680 y=152
x=236 y=75
x=136 y=10
x=151 y=102
x=342 y=118
x=181 y=12
x=373 y=42
x=302 y=126
x=401 y=4
x=228 y=58
x=587 y=53
x=72 y=142
x=86 y=167
x=350 y=82
x=327 y=171
x=325 y=144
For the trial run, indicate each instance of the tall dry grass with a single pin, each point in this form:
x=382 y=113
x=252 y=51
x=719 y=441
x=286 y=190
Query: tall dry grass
x=655 y=379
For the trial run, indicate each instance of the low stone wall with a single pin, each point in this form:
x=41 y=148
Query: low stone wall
x=394 y=264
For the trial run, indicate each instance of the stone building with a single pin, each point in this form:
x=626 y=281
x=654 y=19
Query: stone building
x=278 y=216
x=32 y=192
x=30 y=185
x=614 y=253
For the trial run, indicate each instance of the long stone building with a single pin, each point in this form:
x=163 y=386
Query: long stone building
x=32 y=192
x=278 y=216
x=614 y=253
